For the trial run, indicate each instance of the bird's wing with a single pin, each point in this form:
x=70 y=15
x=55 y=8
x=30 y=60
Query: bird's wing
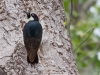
x=32 y=45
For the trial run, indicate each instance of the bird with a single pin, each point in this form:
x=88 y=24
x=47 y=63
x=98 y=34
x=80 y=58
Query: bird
x=32 y=34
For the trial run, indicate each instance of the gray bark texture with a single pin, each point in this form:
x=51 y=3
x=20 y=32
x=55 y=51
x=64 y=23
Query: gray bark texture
x=55 y=53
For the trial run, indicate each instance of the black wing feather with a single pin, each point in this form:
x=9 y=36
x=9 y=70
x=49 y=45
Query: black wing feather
x=32 y=45
x=32 y=38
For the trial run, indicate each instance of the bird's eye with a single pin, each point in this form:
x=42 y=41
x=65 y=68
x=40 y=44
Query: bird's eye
x=32 y=14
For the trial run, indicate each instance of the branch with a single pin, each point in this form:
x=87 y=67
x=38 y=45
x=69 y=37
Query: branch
x=68 y=26
x=87 y=5
x=85 y=39
x=82 y=8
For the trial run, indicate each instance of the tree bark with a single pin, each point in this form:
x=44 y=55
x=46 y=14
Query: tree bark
x=55 y=53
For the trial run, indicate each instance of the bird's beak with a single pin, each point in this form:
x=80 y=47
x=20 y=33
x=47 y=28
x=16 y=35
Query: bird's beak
x=26 y=12
x=28 y=16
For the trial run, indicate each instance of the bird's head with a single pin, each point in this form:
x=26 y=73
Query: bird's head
x=28 y=14
x=29 y=17
x=35 y=17
x=32 y=16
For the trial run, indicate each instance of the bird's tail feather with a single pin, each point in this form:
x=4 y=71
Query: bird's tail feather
x=35 y=60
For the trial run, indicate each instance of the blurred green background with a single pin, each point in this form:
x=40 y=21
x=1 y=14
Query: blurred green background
x=86 y=16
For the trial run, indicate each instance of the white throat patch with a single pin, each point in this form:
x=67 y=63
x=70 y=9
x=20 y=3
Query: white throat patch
x=31 y=18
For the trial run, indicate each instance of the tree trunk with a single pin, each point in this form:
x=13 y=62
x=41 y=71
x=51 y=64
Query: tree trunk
x=55 y=53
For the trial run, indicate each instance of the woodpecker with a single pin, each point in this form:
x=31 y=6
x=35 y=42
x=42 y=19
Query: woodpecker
x=32 y=34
